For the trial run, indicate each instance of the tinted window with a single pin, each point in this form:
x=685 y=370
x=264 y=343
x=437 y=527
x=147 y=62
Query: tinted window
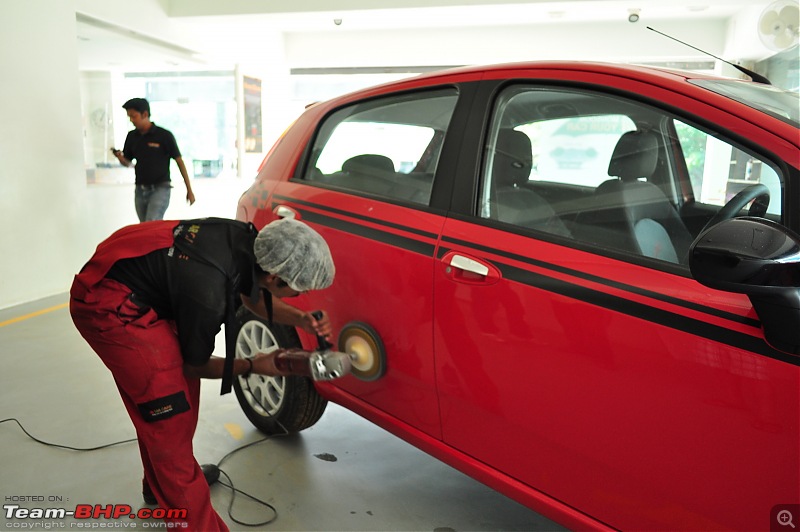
x=387 y=147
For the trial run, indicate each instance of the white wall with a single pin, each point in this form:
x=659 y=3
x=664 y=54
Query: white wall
x=51 y=219
x=621 y=41
x=49 y=223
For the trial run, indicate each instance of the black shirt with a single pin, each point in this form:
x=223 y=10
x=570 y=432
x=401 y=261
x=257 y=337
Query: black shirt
x=152 y=152
x=196 y=282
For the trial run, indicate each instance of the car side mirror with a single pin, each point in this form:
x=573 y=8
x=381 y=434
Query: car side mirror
x=760 y=258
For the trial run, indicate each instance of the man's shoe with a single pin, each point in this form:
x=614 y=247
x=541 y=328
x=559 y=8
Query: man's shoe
x=147 y=494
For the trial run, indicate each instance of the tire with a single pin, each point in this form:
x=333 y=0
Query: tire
x=274 y=405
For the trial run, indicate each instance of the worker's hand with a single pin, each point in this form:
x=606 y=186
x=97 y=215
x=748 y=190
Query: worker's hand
x=320 y=327
x=190 y=197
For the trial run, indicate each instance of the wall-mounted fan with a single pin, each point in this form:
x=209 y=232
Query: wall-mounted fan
x=99 y=118
x=779 y=25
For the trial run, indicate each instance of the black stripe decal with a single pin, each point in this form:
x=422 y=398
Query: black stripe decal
x=432 y=236
x=613 y=284
x=648 y=313
x=368 y=232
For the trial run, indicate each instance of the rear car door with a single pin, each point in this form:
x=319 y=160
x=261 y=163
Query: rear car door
x=366 y=183
x=574 y=351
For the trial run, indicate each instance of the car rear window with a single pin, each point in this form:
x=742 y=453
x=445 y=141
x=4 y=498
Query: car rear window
x=387 y=147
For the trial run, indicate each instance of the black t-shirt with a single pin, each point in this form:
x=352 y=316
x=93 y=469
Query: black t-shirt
x=196 y=282
x=152 y=152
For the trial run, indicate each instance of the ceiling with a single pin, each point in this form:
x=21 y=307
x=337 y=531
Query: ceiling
x=212 y=38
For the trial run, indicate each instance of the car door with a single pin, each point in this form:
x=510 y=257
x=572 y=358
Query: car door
x=366 y=184
x=574 y=352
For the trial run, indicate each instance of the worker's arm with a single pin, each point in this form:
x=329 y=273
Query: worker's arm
x=185 y=174
x=262 y=363
x=287 y=314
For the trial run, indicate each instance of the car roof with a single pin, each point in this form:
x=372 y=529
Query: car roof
x=646 y=73
x=657 y=75
x=583 y=66
x=576 y=72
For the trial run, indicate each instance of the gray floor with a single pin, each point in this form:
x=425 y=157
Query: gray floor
x=342 y=474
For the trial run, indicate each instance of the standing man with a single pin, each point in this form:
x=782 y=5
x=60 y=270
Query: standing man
x=151 y=147
x=150 y=303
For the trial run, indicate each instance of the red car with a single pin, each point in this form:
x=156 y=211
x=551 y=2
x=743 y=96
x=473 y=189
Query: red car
x=577 y=283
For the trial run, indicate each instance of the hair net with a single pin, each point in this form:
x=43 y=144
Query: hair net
x=296 y=253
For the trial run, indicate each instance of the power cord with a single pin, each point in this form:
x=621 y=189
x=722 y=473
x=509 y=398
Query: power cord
x=245 y=383
x=234 y=490
x=37 y=440
x=229 y=485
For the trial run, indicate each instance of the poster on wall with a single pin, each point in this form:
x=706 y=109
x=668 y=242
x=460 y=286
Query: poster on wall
x=252 y=115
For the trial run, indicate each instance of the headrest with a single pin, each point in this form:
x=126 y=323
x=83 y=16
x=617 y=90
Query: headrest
x=368 y=163
x=513 y=158
x=635 y=156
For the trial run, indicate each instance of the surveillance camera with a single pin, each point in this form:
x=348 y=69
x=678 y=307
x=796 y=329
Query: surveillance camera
x=337 y=21
x=633 y=16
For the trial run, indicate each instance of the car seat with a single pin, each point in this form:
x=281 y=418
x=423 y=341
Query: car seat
x=649 y=223
x=369 y=163
x=513 y=202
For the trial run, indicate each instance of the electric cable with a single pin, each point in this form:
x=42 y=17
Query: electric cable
x=234 y=491
x=245 y=383
x=229 y=485
x=37 y=440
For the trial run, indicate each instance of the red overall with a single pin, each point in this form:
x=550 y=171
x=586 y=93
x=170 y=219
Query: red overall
x=144 y=356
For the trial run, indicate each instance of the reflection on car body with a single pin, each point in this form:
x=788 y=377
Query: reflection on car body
x=569 y=335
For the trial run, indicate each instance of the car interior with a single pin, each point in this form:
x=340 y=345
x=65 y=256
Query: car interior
x=626 y=212
x=635 y=207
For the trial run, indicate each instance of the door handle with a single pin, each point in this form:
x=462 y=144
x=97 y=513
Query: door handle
x=469 y=270
x=282 y=211
x=467 y=264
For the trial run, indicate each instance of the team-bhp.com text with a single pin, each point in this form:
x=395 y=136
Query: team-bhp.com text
x=45 y=516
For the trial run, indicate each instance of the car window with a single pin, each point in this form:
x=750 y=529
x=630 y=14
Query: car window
x=609 y=173
x=387 y=147
x=718 y=170
x=576 y=149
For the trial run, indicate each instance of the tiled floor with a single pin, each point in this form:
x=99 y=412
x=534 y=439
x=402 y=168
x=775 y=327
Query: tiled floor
x=342 y=474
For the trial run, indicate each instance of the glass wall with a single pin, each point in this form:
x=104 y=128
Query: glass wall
x=200 y=110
